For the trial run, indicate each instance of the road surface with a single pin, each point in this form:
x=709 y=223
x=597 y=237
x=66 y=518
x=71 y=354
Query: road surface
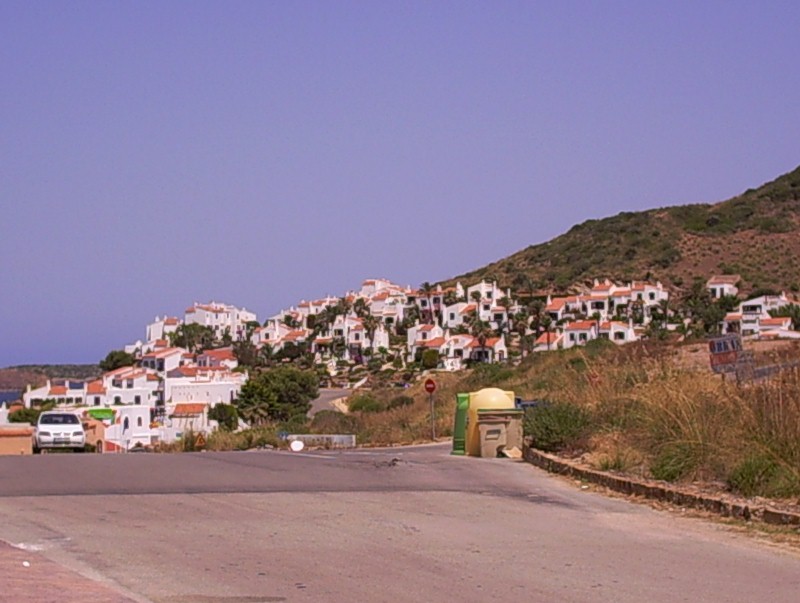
x=325 y=399
x=406 y=524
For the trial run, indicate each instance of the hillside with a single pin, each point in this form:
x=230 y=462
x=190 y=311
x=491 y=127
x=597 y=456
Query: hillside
x=17 y=377
x=755 y=235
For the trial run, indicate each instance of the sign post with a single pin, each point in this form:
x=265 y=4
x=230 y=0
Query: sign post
x=430 y=387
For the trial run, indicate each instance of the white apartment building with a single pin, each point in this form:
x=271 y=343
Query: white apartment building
x=221 y=318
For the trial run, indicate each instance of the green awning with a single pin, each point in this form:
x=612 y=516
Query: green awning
x=101 y=414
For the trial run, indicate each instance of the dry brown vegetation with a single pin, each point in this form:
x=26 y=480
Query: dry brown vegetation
x=654 y=411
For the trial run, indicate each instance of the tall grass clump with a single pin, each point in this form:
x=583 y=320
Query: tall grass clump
x=771 y=464
x=557 y=426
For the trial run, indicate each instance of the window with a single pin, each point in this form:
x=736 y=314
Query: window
x=489 y=294
x=117 y=400
x=138 y=421
x=486 y=307
x=572 y=336
x=97 y=400
x=424 y=336
x=619 y=336
x=652 y=296
x=137 y=399
x=126 y=424
x=452 y=316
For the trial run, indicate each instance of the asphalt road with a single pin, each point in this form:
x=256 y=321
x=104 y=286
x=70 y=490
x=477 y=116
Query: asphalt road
x=326 y=396
x=410 y=524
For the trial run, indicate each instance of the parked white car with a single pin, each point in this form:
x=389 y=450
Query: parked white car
x=58 y=429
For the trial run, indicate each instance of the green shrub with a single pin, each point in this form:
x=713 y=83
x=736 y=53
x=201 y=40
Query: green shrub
x=25 y=415
x=556 y=426
x=226 y=415
x=365 y=403
x=675 y=460
x=760 y=475
x=430 y=359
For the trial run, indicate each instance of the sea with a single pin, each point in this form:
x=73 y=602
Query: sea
x=10 y=395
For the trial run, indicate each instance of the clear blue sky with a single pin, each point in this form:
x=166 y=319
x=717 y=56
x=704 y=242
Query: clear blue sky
x=153 y=154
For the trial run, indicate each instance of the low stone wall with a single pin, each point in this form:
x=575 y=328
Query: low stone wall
x=16 y=439
x=666 y=493
x=324 y=441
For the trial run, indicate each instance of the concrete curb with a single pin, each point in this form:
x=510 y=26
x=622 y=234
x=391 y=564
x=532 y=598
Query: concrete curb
x=666 y=493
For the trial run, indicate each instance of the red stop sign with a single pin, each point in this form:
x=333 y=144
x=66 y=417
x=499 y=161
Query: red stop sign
x=430 y=386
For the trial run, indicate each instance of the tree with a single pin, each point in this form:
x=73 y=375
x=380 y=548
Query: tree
x=117 y=359
x=430 y=359
x=226 y=415
x=788 y=311
x=370 y=326
x=279 y=394
x=193 y=337
x=481 y=331
x=246 y=353
x=426 y=289
x=250 y=327
x=361 y=308
x=547 y=323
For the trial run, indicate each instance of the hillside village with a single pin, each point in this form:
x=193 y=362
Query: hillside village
x=187 y=365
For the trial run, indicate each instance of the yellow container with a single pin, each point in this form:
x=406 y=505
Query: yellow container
x=490 y=398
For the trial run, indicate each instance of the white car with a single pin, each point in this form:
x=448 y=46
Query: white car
x=58 y=429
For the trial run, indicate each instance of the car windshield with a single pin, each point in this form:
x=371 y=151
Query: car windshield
x=62 y=419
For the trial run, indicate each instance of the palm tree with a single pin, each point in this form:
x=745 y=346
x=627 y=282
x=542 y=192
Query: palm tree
x=481 y=331
x=427 y=289
x=521 y=320
x=547 y=322
x=370 y=326
x=266 y=355
x=361 y=308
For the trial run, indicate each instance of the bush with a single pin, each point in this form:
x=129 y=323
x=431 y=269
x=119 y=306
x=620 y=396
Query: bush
x=25 y=415
x=400 y=401
x=226 y=415
x=760 y=475
x=365 y=403
x=332 y=421
x=430 y=359
x=676 y=460
x=556 y=426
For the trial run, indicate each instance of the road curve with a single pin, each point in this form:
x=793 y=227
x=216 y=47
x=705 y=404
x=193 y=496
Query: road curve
x=405 y=524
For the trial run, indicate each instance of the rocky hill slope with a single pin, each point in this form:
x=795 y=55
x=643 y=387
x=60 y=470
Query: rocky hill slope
x=755 y=235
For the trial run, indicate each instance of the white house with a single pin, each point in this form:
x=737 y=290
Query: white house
x=419 y=334
x=618 y=332
x=754 y=314
x=210 y=386
x=722 y=285
x=164 y=359
x=579 y=332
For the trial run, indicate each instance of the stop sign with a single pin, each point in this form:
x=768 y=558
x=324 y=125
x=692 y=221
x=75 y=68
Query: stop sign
x=430 y=386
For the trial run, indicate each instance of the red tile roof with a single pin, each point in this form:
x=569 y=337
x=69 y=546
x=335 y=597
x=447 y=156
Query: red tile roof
x=58 y=390
x=189 y=410
x=581 y=325
x=95 y=387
